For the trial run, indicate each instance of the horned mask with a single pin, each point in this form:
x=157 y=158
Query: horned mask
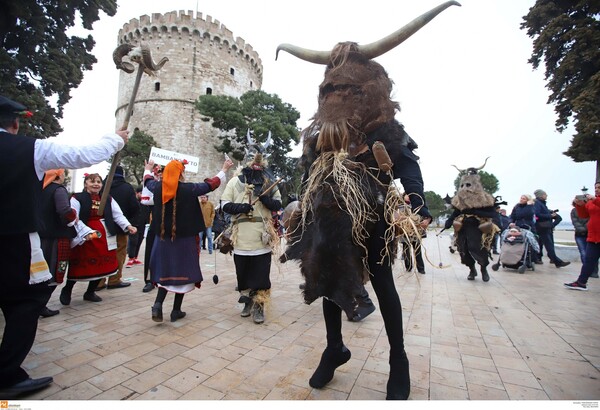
x=470 y=193
x=354 y=97
x=255 y=153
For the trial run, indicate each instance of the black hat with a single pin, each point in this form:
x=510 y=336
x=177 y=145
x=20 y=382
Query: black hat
x=119 y=171
x=11 y=108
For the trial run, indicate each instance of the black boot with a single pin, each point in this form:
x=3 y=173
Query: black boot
x=484 y=274
x=157 y=314
x=258 y=313
x=472 y=273
x=331 y=359
x=65 y=295
x=247 y=309
x=398 y=385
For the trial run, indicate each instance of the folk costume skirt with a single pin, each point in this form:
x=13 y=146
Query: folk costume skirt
x=175 y=265
x=92 y=260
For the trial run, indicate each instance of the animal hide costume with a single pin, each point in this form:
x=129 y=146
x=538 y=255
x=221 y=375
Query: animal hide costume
x=475 y=222
x=250 y=198
x=343 y=232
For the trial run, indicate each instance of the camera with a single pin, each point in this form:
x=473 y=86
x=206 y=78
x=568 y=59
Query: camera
x=581 y=197
x=554 y=211
x=498 y=201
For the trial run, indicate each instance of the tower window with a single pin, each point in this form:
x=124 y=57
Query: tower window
x=157 y=86
x=251 y=84
x=232 y=71
x=209 y=91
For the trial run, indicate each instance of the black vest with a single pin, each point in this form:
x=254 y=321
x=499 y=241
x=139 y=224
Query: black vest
x=19 y=184
x=189 y=220
x=85 y=200
x=52 y=225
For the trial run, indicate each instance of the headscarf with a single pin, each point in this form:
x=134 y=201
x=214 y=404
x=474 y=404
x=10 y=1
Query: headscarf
x=51 y=175
x=170 y=179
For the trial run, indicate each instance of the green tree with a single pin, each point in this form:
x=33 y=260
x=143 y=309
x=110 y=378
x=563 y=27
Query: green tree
x=489 y=181
x=566 y=35
x=261 y=113
x=134 y=154
x=436 y=205
x=39 y=62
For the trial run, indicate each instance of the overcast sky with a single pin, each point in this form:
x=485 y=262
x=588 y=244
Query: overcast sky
x=463 y=82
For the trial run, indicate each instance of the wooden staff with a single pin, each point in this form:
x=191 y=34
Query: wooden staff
x=116 y=157
x=142 y=56
x=268 y=189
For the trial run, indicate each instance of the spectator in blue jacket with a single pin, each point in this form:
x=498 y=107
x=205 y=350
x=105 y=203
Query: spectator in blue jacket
x=544 y=227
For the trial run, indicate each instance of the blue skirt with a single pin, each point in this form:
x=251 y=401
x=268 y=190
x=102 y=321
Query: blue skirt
x=175 y=263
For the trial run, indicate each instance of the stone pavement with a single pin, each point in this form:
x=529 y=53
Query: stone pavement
x=517 y=337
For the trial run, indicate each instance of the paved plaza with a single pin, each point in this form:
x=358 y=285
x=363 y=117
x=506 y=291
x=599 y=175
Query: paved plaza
x=516 y=337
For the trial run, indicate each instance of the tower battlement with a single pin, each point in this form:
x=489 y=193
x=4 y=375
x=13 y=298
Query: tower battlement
x=185 y=26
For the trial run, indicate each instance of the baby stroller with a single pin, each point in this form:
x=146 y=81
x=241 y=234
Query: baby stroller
x=516 y=251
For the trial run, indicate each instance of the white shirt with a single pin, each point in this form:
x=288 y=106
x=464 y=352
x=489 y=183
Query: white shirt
x=49 y=154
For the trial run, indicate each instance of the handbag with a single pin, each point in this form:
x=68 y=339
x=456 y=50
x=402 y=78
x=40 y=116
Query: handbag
x=545 y=224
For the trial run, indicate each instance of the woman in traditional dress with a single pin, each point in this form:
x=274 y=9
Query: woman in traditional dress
x=58 y=219
x=174 y=262
x=91 y=259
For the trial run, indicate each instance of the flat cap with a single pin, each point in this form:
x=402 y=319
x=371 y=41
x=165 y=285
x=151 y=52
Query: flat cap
x=8 y=106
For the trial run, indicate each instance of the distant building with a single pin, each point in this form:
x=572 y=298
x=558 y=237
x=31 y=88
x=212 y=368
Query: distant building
x=204 y=58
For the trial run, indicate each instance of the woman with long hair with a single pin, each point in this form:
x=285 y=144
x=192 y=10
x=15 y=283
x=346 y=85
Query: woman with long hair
x=174 y=262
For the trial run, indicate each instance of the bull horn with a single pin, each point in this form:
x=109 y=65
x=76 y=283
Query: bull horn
x=459 y=170
x=120 y=52
x=372 y=50
x=149 y=62
x=481 y=167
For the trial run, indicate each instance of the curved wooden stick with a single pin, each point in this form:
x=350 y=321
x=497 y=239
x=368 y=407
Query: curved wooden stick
x=115 y=160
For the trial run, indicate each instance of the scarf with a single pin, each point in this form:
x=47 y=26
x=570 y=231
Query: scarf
x=170 y=179
x=50 y=176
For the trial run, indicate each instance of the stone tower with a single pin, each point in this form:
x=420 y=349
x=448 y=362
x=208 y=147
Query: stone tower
x=204 y=58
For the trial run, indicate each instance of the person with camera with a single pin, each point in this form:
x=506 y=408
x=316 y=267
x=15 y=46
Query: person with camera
x=544 y=227
x=589 y=207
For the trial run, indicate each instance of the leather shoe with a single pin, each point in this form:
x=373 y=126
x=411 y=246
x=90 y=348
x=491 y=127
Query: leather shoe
x=48 y=312
x=91 y=297
x=177 y=314
x=562 y=264
x=148 y=287
x=119 y=285
x=26 y=386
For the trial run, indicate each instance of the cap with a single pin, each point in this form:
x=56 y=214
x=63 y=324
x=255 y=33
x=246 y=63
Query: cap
x=10 y=107
x=119 y=171
x=539 y=192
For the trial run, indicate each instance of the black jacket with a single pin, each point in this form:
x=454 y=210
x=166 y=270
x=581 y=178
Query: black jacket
x=122 y=192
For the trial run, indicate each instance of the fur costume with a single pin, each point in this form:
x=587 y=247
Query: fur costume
x=475 y=222
x=343 y=231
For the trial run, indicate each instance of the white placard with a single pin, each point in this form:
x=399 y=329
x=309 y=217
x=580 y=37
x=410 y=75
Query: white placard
x=163 y=157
